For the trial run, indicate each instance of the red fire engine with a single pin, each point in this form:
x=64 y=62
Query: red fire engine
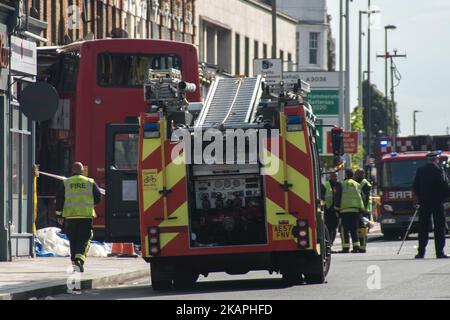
x=396 y=172
x=200 y=216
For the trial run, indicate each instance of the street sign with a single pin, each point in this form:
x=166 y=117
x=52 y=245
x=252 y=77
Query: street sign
x=324 y=96
x=23 y=57
x=324 y=102
x=271 y=69
x=350 y=143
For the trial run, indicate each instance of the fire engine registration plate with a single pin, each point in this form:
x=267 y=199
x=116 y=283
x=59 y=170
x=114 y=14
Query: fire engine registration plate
x=282 y=232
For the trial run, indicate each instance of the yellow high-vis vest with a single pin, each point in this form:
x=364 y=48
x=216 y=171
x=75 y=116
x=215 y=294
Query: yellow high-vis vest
x=79 y=199
x=369 y=203
x=328 y=195
x=351 y=197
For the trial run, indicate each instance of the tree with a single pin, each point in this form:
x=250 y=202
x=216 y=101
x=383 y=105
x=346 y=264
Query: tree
x=357 y=125
x=381 y=117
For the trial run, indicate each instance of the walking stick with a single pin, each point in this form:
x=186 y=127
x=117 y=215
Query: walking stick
x=409 y=229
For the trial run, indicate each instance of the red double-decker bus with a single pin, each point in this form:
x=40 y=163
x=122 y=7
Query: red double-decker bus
x=99 y=82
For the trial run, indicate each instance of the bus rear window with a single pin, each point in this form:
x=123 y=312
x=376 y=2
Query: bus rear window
x=128 y=70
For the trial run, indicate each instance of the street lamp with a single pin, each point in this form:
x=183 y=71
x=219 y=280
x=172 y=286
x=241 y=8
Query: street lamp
x=386 y=80
x=369 y=96
x=361 y=34
x=415 y=119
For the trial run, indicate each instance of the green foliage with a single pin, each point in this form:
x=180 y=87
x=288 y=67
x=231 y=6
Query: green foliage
x=382 y=116
x=357 y=125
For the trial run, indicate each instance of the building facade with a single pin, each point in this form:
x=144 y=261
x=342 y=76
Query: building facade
x=72 y=20
x=18 y=33
x=315 y=44
x=234 y=32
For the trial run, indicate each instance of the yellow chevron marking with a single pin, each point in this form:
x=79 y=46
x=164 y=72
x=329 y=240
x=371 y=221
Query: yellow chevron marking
x=165 y=238
x=174 y=174
x=300 y=183
x=151 y=195
x=149 y=146
x=182 y=217
x=297 y=138
x=272 y=210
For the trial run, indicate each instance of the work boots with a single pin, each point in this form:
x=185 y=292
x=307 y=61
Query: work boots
x=78 y=265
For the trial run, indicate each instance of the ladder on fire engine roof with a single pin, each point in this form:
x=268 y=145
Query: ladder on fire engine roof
x=231 y=102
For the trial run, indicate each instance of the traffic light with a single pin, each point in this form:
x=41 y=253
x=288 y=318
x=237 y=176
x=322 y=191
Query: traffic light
x=337 y=141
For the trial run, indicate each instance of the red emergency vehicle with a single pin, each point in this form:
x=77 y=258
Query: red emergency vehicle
x=99 y=82
x=200 y=217
x=396 y=172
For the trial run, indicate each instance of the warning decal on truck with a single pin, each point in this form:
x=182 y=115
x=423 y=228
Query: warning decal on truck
x=150 y=179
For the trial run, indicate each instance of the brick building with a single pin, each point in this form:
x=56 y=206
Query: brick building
x=72 y=20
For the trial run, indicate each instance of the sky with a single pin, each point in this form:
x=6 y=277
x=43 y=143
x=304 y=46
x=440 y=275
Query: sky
x=423 y=33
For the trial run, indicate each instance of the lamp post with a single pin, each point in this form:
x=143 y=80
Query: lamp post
x=415 y=119
x=386 y=80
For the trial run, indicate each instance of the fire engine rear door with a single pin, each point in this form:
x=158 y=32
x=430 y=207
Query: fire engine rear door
x=122 y=206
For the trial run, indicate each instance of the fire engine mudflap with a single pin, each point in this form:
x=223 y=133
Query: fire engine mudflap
x=235 y=190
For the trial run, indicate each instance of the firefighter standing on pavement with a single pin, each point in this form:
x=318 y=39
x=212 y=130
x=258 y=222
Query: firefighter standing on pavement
x=331 y=194
x=366 y=189
x=351 y=208
x=75 y=202
x=431 y=190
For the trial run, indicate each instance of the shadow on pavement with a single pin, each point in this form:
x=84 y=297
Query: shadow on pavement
x=204 y=287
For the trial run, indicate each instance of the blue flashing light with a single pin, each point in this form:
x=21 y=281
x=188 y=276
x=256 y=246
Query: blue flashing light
x=394 y=154
x=151 y=127
x=384 y=143
x=294 y=120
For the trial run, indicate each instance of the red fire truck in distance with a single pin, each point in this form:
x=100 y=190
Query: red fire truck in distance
x=99 y=82
x=396 y=172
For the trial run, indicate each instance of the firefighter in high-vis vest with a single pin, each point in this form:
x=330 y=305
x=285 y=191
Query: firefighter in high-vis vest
x=351 y=207
x=331 y=195
x=75 y=202
x=366 y=190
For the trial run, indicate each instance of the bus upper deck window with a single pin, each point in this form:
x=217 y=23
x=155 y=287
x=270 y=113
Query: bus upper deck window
x=128 y=70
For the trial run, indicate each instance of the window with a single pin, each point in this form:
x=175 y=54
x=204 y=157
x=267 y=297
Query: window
x=128 y=70
x=126 y=147
x=256 y=50
x=67 y=78
x=401 y=173
x=313 y=47
x=20 y=161
x=237 y=44
x=247 y=56
x=265 y=51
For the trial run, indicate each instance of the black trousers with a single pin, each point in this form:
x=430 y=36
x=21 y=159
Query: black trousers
x=332 y=222
x=350 y=225
x=425 y=213
x=79 y=232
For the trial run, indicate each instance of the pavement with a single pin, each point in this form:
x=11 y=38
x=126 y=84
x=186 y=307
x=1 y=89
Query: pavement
x=44 y=277
x=380 y=274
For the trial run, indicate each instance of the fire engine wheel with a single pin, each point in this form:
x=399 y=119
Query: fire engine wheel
x=325 y=260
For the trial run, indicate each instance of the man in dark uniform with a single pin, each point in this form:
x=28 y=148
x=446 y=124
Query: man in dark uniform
x=331 y=195
x=431 y=190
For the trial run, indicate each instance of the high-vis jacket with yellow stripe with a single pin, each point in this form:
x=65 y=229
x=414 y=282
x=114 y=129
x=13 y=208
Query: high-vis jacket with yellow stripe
x=351 y=197
x=79 y=198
